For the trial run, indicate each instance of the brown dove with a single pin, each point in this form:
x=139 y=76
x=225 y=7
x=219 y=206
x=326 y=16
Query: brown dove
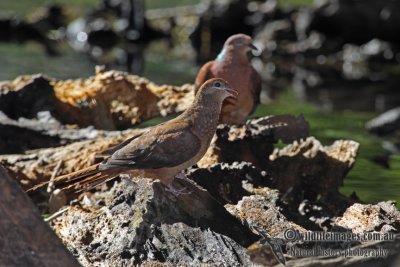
x=232 y=64
x=164 y=150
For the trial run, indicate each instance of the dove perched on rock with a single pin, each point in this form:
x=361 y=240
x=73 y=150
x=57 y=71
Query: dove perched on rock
x=232 y=64
x=165 y=150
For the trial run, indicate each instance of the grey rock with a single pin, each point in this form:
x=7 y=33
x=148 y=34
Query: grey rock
x=139 y=221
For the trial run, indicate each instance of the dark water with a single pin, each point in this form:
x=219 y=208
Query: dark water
x=371 y=181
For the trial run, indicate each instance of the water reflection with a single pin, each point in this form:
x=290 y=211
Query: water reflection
x=17 y=30
x=115 y=32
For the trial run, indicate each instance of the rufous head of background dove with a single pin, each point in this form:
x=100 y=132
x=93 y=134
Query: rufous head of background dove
x=239 y=44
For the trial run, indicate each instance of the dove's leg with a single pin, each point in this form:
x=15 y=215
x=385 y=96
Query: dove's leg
x=182 y=175
x=184 y=190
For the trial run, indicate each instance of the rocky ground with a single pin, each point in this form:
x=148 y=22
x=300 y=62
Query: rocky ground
x=256 y=181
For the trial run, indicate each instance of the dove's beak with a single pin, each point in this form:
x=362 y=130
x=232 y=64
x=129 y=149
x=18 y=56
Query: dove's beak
x=232 y=93
x=253 y=47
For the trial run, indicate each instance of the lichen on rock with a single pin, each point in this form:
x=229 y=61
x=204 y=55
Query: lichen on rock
x=381 y=218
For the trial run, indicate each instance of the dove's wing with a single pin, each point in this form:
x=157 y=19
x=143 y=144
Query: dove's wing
x=168 y=146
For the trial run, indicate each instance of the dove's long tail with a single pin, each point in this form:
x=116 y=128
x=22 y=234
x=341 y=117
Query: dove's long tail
x=81 y=180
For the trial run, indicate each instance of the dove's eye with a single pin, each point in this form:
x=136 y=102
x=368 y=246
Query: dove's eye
x=217 y=84
x=238 y=42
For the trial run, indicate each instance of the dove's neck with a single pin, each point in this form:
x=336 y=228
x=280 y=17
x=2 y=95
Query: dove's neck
x=204 y=114
x=229 y=55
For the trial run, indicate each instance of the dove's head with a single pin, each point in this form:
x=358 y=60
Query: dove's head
x=240 y=43
x=218 y=89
